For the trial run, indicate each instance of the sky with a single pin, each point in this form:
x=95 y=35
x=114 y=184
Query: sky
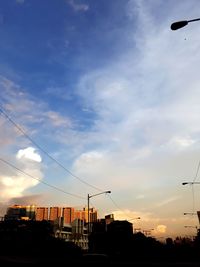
x=102 y=95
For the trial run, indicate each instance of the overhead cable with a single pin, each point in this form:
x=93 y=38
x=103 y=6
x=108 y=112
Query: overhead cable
x=46 y=153
x=41 y=181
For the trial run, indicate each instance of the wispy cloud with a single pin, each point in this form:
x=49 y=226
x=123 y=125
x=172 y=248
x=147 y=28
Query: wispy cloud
x=58 y=120
x=20 y=1
x=168 y=201
x=78 y=7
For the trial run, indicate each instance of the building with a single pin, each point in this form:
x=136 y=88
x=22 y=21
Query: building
x=55 y=213
x=92 y=215
x=109 y=218
x=198 y=215
x=68 y=214
x=75 y=232
x=20 y=212
x=80 y=234
x=41 y=214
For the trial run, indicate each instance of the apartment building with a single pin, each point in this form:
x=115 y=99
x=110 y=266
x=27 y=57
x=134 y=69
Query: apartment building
x=41 y=213
x=55 y=213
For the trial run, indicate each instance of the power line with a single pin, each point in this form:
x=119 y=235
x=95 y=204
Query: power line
x=193 y=193
x=116 y=205
x=31 y=176
x=46 y=153
x=196 y=172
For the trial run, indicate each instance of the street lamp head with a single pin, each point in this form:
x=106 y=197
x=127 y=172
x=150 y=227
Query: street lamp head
x=108 y=192
x=137 y=218
x=184 y=183
x=179 y=24
x=189 y=213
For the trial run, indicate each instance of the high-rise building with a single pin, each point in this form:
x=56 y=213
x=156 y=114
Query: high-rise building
x=20 y=212
x=92 y=215
x=41 y=214
x=198 y=215
x=78 y=214
x=68 y=214
x=30 y=212
x=55 y=213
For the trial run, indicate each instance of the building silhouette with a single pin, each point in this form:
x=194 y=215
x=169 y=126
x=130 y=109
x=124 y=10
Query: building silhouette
x=20 y=212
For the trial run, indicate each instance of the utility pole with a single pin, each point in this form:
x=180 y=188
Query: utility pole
x=88 y=201
x=88 y=204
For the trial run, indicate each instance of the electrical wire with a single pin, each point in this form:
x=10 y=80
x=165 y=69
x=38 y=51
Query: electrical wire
x=46 y=153
x=116 y=205
x=192 y=185
x=196 y=172
x=57 y=162
x=43 y=182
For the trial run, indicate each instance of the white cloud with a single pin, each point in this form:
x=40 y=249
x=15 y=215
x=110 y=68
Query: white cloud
x=57 y=120
x=78 y=7
x=161 y=228
x=7 y=181
x=13 y=182
x=15 y=185
x=146 y=110
x=182 y=142
x=29 y=153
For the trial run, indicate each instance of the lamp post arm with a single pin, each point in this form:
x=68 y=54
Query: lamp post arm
x=193 y=20
x=99 y=194
x=190 y=183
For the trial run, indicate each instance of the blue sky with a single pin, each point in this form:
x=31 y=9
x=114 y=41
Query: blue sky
x=111 y=93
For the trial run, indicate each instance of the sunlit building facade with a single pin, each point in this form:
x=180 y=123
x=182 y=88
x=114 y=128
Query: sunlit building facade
x=55 y=213
x=41 y=213
x=68 y=214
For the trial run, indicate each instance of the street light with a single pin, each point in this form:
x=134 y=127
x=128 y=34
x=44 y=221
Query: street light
x=189 y=213
x=137 y=218
x=180 y=24
x=148 y=232
x=191 y=183
x=191 y=226
x=88 y=198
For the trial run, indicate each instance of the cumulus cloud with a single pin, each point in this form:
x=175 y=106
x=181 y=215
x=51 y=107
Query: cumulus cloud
x=161 y=228
x=14 y=183
x=29 y=153
x=145 y=130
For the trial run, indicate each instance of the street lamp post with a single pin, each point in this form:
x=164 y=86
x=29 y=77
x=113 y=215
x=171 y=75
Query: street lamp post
x=180 y=24
x=88 y=202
